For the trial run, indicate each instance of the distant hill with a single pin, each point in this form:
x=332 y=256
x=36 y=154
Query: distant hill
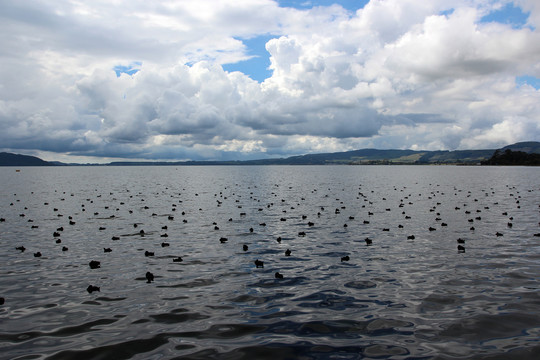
x=529 y=147
x=354 y=157
x=8 y=159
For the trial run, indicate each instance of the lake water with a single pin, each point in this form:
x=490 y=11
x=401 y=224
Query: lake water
x=398 y=298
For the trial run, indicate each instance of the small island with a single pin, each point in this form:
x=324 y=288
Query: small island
x=509 y=157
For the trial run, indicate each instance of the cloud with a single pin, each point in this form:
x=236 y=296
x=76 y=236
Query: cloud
x=138 y=79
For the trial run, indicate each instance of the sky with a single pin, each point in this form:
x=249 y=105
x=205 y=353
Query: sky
x=172 y=80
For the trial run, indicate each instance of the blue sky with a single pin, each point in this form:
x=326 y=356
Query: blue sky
x=214 y=80
x=509 y=14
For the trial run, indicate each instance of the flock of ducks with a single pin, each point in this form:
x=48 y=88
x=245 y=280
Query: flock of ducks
x=366 y=201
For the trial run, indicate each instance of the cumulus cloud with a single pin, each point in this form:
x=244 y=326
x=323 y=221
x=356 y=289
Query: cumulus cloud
x=145 y=80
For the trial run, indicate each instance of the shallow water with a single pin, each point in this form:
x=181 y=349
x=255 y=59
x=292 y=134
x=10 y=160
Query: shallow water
x=398 y=298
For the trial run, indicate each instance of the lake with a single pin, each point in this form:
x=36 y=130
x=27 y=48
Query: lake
x=409 y=294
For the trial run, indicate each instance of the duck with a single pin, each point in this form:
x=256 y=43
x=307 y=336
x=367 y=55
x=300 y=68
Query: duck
x=178 y=259
x=460 y=241
x=259 y=263
x=245 y=247
x=164 y=244
x=94 y=264
x=223 y=240
x=64 y=248
x=148 y=253
x=92 y=288
x=368 y=241
x=21 y=248
x=288 y=252
x=37 y=254
x=107 y=250
x=461 y=249
x=278 y=275
x=149 y=277
x=345 y=258
x=278 y=239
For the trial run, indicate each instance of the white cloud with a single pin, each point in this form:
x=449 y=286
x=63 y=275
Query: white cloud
x=395 y=74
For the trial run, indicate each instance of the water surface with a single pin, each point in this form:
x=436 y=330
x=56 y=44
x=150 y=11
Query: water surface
x=398 y=298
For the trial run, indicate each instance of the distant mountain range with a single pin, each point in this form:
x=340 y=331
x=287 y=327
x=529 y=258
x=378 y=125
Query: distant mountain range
x=355 y=157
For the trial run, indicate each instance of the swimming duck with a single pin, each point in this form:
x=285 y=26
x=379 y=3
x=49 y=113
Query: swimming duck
x=259 y=263
x=94 y=264
x=92 y=288
x=149 y=277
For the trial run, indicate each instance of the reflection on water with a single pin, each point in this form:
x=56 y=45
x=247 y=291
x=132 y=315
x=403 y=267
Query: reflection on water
x=408 y=294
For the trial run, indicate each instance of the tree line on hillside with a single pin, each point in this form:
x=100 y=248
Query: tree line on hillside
x=509 y=157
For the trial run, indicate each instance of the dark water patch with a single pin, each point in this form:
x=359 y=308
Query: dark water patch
x=63 y=332
x=301 y=350
x=177 y=316
x=257 y=300
x=334 y=300
x=176 y=298
x=121 y=350
x=281 y=314
x=108 y=299
x=268 y=251
x=226 y=331
x=521 y=353
x=360 y=284
x=192 y=284
x=439 y=302
x=489 y=327
x=272 y=282
x=384 y=351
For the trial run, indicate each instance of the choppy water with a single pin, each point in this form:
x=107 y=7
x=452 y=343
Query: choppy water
x=398 y=298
